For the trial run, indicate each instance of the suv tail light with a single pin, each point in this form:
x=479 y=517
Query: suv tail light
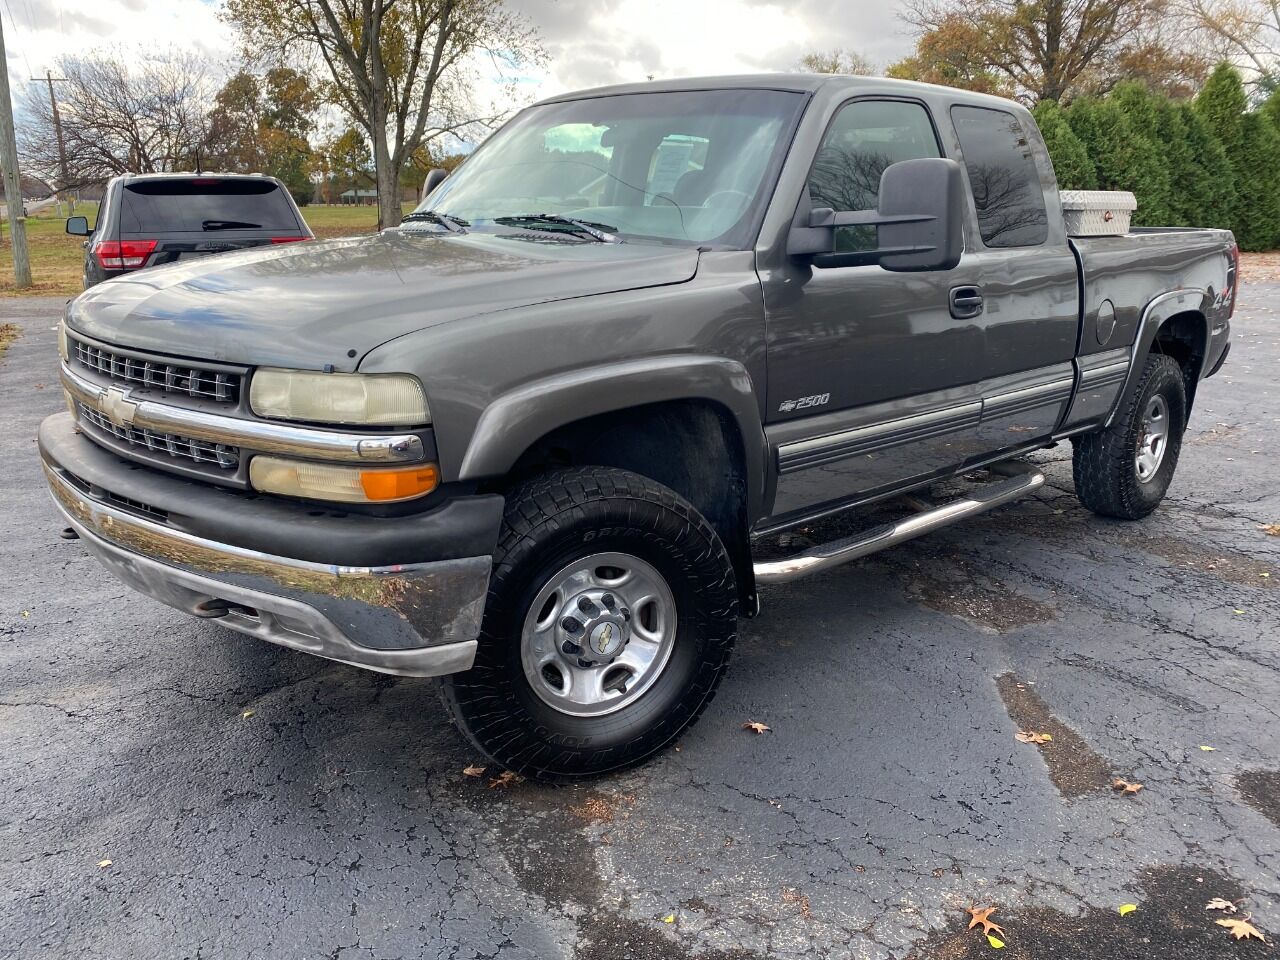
x=288 y=239
x=124 y=254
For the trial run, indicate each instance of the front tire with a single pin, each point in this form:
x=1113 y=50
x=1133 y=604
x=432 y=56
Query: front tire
x=1125 y=470
x=611 y=614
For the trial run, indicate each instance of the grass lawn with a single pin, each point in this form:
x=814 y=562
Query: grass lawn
x=57 y=259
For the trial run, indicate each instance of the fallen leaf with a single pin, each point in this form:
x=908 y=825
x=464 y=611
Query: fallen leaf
x=1238 y=611
x=669 y=918
x=1127 y=908
x=1271 y=529
x=473 y=771
x=982 y=917
x=796 y=897
x=1207 y=749
x=103 y=864
x=755 y=726
x=505 y=780
x=1029 y=736
x=1124 y=786
x=1242 y=929
x=996 y=942
x=246 y=715
x=1217 y=903
x=26 y=613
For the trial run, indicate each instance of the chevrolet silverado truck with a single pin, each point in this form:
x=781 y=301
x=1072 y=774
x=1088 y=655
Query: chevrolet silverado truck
x=529 y=440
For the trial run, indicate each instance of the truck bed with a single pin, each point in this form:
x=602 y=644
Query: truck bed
x=1131 y=271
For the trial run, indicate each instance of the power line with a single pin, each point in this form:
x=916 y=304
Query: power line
x=14 y=21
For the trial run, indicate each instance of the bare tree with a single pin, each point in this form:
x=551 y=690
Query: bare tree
x=402 y=70
x=145 y=116
x=1246 y=32
x=1057 y=49
x=839 y=60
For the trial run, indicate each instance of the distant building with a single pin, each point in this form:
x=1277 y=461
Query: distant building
x=359 y=197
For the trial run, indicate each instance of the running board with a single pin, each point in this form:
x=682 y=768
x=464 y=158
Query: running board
x=890 y=535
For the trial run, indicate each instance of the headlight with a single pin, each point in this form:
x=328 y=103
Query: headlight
x=63 y=351
x=318 y=481
x=368 y=399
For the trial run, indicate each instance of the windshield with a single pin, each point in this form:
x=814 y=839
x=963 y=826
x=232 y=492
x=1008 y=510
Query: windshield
x=690 y=167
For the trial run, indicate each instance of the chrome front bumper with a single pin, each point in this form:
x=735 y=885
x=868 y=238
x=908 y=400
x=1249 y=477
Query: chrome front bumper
x=417 y=620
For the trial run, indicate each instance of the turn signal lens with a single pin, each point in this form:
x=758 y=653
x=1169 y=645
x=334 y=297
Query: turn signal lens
x=386 y=485
x=318 y=481
x=63 y=350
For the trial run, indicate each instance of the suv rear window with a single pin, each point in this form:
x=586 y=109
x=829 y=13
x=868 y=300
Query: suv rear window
x=203 y=205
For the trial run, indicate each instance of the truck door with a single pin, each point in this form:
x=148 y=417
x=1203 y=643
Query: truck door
x=873 y=376
x=1024 y=274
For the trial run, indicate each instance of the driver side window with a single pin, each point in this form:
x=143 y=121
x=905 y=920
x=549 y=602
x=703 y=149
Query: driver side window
x=865 y=137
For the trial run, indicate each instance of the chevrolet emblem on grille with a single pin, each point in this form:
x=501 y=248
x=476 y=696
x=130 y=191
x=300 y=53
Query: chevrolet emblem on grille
x=117 y=406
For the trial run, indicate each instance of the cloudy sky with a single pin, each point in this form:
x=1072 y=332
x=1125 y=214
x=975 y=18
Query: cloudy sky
x=590 y=42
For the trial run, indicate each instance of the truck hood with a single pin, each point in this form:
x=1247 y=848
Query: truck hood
x=306 y=305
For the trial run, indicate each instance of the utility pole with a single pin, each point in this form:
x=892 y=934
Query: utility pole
x=64 y=179
x=12 y=180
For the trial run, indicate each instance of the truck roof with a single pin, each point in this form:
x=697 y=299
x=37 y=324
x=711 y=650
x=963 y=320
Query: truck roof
x=793 y=82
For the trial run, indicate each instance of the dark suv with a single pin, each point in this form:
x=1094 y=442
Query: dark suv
x=149 y=219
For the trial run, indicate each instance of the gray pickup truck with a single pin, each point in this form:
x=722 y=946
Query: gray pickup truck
x=527 y=440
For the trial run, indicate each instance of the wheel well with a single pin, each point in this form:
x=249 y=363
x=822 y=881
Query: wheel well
x=692 y=446
x=1183 y=337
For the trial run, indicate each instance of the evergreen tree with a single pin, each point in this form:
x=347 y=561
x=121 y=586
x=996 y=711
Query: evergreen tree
x=1150 y=166
x=1210 y=187
x=1222 y=103
x=1184 y=175
x=1258 y=211
x=1123 y=158
x=1071 y=160
x=1271 y=108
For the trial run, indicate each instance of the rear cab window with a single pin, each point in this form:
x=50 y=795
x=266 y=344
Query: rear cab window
x=865 y=138
x=1002 y=173
x=205 y=205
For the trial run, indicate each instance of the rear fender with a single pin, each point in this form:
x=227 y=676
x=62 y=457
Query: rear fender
x=1157 y=312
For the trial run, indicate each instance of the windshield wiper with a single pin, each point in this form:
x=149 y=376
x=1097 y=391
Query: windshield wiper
x=451 y=223
x=229 y=225
x=555 y=221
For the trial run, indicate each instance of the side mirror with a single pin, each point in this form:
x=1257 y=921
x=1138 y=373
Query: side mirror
x=434 y=178
x=919 y=221
x=78 y=226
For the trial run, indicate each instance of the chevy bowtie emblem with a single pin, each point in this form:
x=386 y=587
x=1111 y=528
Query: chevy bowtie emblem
x=118 y=407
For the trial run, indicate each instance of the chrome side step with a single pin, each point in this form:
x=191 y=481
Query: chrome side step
x=890 y=535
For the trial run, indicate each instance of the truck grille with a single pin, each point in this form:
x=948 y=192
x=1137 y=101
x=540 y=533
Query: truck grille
x=183 y=379
x=198 y=451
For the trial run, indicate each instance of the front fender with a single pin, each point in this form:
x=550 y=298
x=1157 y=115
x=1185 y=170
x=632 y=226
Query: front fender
x=517 y=419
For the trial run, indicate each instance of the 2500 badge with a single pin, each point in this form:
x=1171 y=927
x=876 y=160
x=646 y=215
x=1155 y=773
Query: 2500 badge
x=804 y=403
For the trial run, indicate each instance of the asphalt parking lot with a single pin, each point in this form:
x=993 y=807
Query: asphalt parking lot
x=256 y=802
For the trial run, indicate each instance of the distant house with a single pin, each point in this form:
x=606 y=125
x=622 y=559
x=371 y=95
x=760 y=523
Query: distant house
x=359 y=197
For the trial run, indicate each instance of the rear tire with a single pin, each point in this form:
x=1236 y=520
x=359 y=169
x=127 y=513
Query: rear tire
x=1125 y=470
x=660 y=600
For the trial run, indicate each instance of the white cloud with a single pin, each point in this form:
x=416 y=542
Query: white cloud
x=41 y=31
x=590 y=42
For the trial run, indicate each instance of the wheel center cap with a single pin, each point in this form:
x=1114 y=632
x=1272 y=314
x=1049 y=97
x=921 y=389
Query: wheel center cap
x=606 y=639
x=595 y=630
